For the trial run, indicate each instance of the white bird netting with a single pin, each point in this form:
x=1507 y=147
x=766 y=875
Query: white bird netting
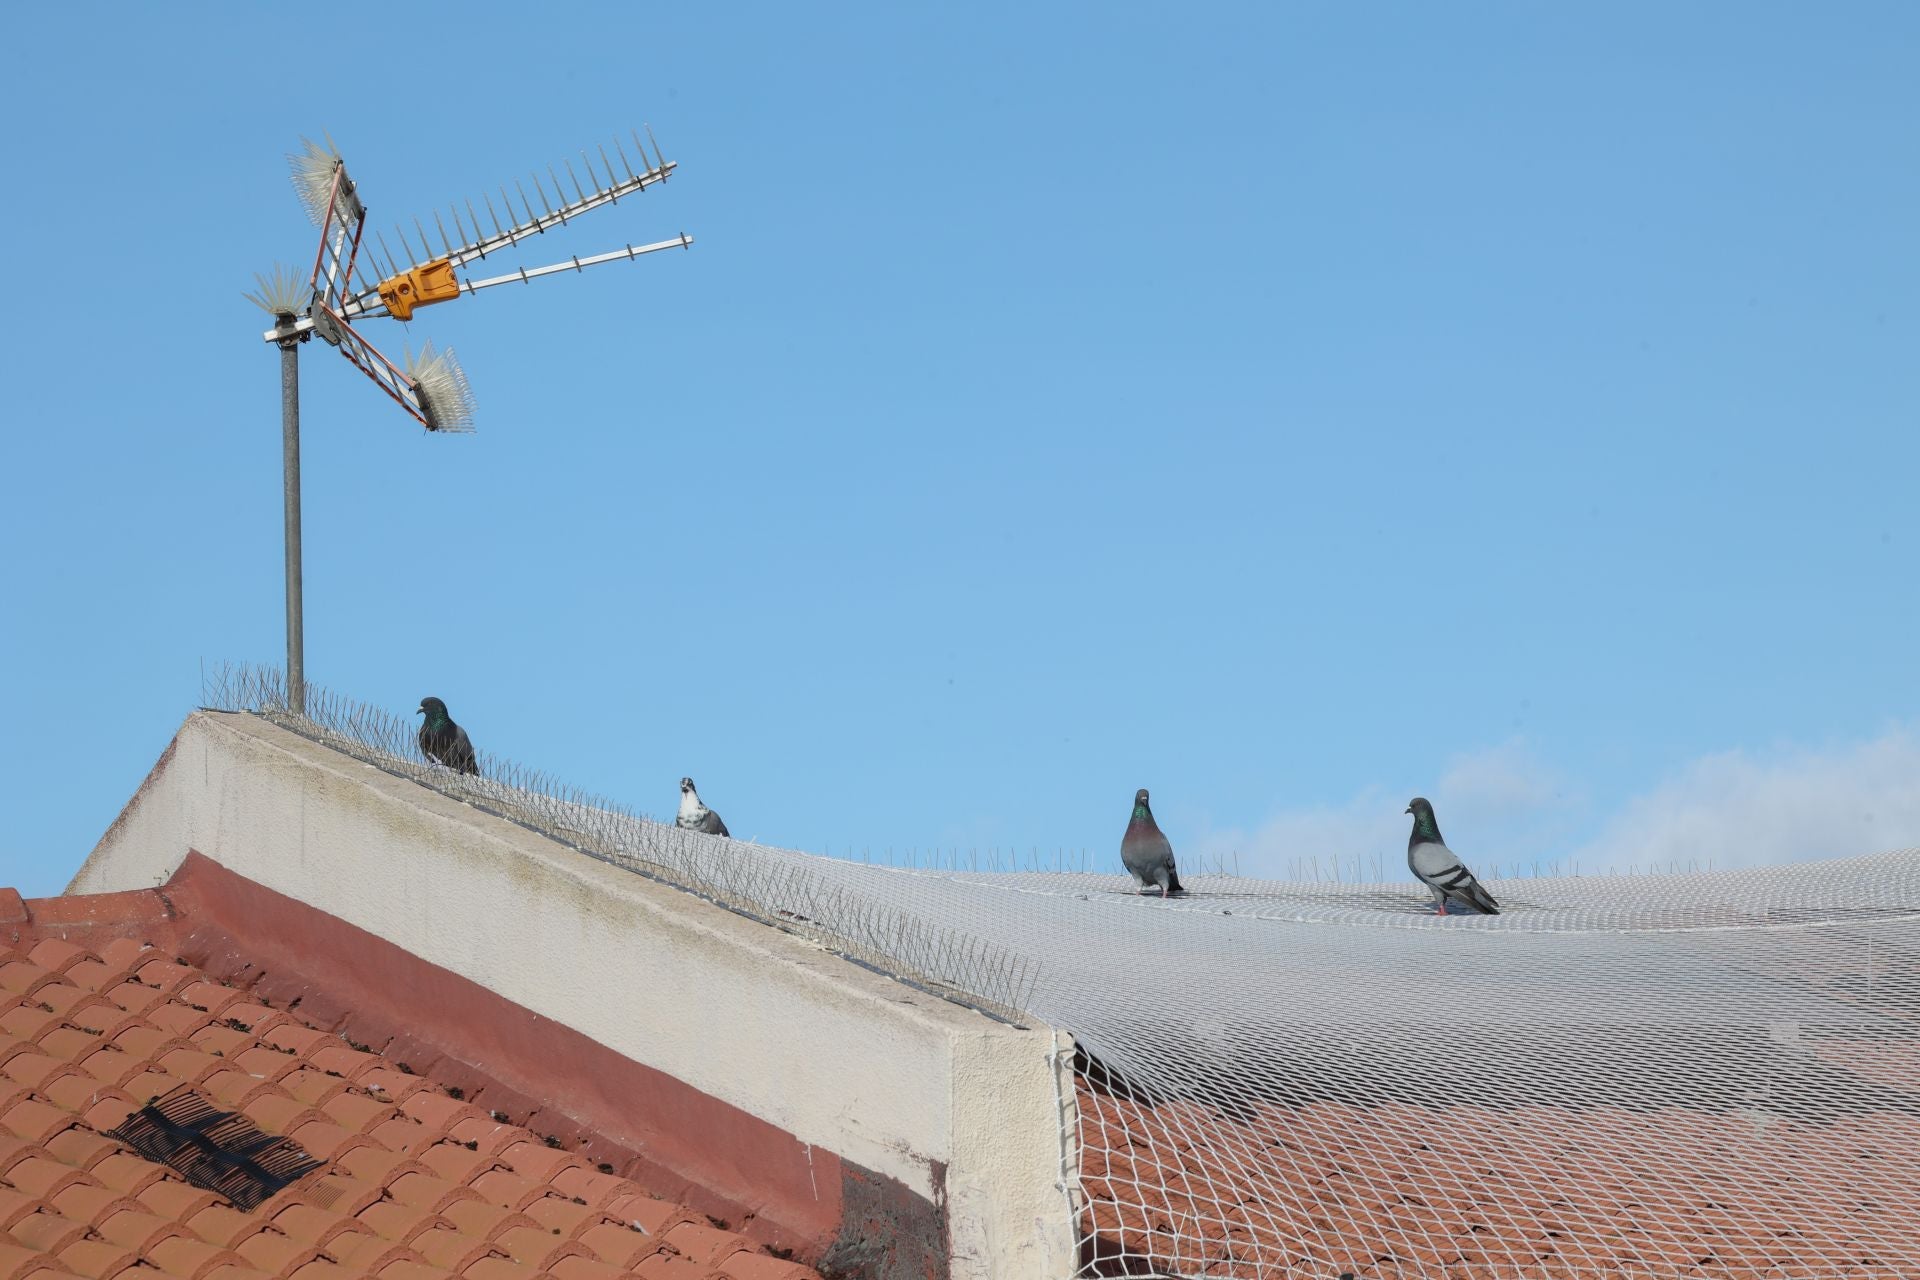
x=1713 y=1074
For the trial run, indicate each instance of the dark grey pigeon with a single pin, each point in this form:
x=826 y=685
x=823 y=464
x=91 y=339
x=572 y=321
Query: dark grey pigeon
x=444 y=742
x=1439 y=868
x=695 y=816
x=1147 y=852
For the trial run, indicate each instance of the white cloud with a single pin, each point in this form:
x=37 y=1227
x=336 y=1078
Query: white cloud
x=1506 y=810
x=1512 y=802
x=1739 y=809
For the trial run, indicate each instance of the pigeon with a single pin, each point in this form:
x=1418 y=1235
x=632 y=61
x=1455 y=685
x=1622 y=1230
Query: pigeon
x=1439 y=868
x=444 y=742
x=1146 y=851
x=695 y=816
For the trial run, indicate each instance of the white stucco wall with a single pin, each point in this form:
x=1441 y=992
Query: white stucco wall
x=844 y=1059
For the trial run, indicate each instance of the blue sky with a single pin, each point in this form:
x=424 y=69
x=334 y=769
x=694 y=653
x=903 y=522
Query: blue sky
x=1288 y=408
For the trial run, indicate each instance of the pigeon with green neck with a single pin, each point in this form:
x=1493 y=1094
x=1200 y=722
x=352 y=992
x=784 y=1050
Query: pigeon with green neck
x=1147 y=853
x=1439 y=868
x=444 y=742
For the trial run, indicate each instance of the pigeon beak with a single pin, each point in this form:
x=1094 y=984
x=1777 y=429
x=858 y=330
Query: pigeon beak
x=1409 y=808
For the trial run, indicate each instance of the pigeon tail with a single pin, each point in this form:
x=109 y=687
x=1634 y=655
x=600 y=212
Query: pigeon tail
x=1475 y=895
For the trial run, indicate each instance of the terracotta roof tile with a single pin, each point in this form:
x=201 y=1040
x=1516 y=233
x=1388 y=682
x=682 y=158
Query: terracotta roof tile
x=47 y=1232
x=410 y=1269
x=219 y=1224
x=665 y=1266
x=703 y=1243
x=619 y=1245
x=296 y=1038
x=274 y=1253
x=398 y=1133
x=96 y=1257
x=337 y=1058
x=86 y=1039
x=439 y=1112
x=499 y=1267
x=182 y=1255
x=369 y=1253
x=324 y=1140
x=319 y=1269
x=537 y=1161
x=485 y=1221
x=18 y=1264
x=656 y=1217
x=580 y=1267
x=595 y=1188
x=356 y=1111
x=562 y=1214
x=425 y=1191
x=760 y=1266
x=508 y=1189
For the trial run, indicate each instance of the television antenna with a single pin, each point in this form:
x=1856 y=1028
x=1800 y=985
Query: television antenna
x=352 y=280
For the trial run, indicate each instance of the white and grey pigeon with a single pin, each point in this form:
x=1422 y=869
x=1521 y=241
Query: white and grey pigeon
x=1440 y=869
x=695 y=816
x=1146 y=851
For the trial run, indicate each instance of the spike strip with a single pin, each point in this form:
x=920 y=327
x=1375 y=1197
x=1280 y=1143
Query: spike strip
x=770 y=885
x=534 y=223
x=440 y=385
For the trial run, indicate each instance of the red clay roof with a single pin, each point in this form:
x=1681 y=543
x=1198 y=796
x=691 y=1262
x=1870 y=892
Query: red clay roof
x=1525 y=1193
x=417 y=1184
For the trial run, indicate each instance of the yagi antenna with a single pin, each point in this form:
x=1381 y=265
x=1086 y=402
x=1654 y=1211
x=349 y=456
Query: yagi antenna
x=435 y=393
x=341 y=289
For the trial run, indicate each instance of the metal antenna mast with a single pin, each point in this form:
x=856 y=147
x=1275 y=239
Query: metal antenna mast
x=340 y=289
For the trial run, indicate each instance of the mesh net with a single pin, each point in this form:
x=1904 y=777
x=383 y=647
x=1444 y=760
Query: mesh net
x=1712 y=1074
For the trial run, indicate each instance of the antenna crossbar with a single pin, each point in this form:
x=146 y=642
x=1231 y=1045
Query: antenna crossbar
x=385 y=374
x=576 y=264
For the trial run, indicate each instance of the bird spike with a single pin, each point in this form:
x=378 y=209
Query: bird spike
x=313 y=168
x=283 y=292
x=445 y=397
x=491 y=213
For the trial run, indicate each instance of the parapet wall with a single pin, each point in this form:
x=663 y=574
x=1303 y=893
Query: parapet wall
x=900 y=1098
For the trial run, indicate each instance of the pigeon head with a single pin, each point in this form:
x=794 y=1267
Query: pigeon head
x=686 y=786
x=1140 y=809
x=1424 y=823
x=433 y=708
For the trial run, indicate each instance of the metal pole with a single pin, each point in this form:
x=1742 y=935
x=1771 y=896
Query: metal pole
x=290 y=468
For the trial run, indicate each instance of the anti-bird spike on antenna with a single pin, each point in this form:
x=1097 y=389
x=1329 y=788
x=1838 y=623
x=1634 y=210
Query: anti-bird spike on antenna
x=282 y=293
x=314 y=166
x=445 y=397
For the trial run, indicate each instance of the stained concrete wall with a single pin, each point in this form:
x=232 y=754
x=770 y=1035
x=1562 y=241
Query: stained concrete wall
x=964 y=1111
